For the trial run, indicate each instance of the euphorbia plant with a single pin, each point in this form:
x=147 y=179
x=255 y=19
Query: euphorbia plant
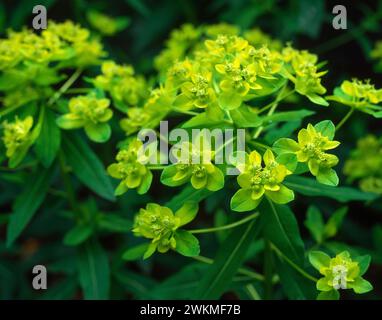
x=208 y=77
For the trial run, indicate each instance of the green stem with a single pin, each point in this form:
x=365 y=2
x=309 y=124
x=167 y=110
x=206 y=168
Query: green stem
x=243 y=271
x=68 y=83
x=78 y=90
x=191 y=113
x=67 y=183
x=252 y=292
x=156 y=167
x=268 y=269
x=293 y=265
x=227 y=226
x=344 y=119
x=273 y=107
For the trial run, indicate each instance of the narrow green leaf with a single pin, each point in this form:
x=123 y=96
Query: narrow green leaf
x=136 y=252
x=310 y=187
x=295 y=286
x=87 y=166
x=48 y=142
x=114 y=223
x=228 y=260
x=315 y=223
x=77 y=235
x=281 y=228
x=94 y=272
x=28 y=202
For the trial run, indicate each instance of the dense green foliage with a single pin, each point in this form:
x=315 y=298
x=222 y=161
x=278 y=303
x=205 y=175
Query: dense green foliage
x=78 y=198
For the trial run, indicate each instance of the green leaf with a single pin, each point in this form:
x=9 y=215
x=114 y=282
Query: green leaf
x=48 y=142
x=136 y=252
x=78 y=234
x=94 y=271
x=334 y=222
x=285 y=146
x=315 y=223
x=317 y=100
x=186 y=243
x=289 y=160
x=319 y=259
x=285 y=116
x=228 y=260
x=114 y=223
x=230 y=100
x=294 y=285
x=329 y=295
x=360 y=285
x=203 y=121
x=167 y=177
x=281 y=228
x=244 y=117
x=187 y=212
x=67 y=122
x=28 y=202
x=99 y=132
x=327 y=128
x=187 y=194
x=310 y=187
x=363 y=263
x=242 y=201
x=328 y=177
x=86 y=166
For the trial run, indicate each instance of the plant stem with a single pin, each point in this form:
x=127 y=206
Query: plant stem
x=272 y=109
x=243 y=271
x=227 y=226
x=268 y=269
x=78 y=90
x=344 y=119
x=191 y=113
x=293 y=265
x=156 y=167
x=252 y=292
x=67 y=183
x=68 y=83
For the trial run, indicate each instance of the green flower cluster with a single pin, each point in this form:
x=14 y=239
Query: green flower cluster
x=126 y=89
x=31 y=66
x=194 y=165
x=257 y=180
x=340 y=272
x=105 y=24
x=360 y=95
x=161 y=225
x=223 y=70
x=17 y=138
x=365 y=164
x=90 y=113
x=130 y=168
x=311 y=147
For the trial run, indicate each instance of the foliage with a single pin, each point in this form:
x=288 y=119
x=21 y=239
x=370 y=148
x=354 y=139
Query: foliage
x=80 y=196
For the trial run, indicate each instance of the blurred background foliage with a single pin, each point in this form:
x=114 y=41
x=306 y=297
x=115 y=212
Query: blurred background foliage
x=142 y=26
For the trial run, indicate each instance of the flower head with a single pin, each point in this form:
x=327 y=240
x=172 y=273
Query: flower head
x=92 y=114
x=17 y=135
x=194 y=165
x=340 y=272
x=161 y=225
x=311 y=147
x=359 y=94
x=261 y=176
x=130 y=169
x=365 y=164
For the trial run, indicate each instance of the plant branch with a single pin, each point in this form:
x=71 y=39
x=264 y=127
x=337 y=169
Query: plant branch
x=227 y=226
